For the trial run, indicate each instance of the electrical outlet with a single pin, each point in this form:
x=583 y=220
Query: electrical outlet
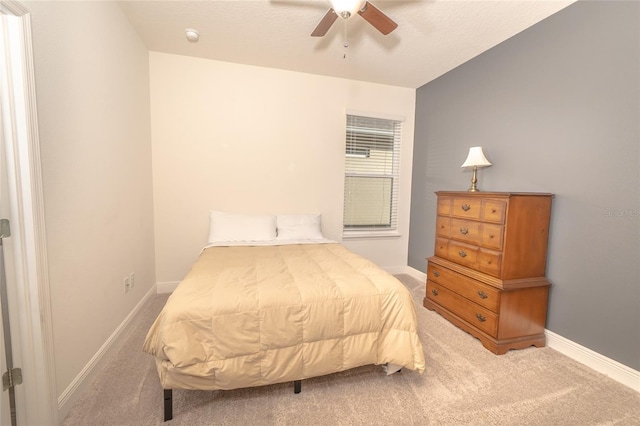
x=127 y=284
x=132 y=279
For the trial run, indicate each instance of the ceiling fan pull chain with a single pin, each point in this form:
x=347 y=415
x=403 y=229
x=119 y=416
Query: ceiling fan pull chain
x=346 y=40
x=346 y=35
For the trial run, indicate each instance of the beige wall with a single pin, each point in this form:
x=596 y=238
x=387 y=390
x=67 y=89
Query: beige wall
x=225 y=136
x=92 y=81
x=257 y=140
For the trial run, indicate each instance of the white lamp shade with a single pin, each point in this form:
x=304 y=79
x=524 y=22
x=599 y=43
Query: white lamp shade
x=476 y=158
x=351 y=6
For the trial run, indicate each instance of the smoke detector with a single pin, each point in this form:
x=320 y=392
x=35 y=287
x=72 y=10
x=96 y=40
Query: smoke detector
x=192 y=35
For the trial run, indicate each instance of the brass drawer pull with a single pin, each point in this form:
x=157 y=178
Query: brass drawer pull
x=436 y=274
x=481 y=318
x=482 y=294
x=465 y=207
x=464 y=231
x=434 y=291
x=462 y=253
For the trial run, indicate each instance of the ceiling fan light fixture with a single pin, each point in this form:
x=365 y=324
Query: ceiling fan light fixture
x=347 y=8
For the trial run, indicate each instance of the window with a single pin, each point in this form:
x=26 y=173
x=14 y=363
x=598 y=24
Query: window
x=372 y=159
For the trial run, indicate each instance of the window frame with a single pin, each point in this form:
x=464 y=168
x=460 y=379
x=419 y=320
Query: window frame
x=375 y=231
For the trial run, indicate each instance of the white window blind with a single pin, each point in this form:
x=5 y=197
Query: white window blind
x=372 y=163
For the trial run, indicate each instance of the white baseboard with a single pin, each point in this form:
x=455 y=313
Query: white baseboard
x=78 y=386
x=166 y=287
x=395 y=270
x=598 y=362
x=418 y=275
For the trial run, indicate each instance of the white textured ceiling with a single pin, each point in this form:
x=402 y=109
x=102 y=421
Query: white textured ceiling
x=433 y=36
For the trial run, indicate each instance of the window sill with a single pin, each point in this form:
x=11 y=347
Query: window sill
x=354 y=235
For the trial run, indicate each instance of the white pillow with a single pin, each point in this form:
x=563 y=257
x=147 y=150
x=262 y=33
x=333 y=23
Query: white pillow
x=232 y=227
x=299 y=227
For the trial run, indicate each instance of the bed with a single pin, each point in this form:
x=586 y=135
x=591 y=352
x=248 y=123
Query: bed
x=279 y=307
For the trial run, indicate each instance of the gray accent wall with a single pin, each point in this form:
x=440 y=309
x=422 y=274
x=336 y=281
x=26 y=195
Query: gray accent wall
x=556 y=109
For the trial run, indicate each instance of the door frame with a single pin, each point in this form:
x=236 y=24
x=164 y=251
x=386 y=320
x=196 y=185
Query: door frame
x=34 y=334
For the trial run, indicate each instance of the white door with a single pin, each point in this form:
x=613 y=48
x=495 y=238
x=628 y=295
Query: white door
x=7 y=402
x=24 y=252
x=5 y=409
x=8 y=396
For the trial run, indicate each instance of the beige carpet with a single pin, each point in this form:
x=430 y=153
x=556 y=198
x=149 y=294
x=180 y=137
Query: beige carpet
x=464 y=384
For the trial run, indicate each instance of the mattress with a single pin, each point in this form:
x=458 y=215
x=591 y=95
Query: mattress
x=248 y=316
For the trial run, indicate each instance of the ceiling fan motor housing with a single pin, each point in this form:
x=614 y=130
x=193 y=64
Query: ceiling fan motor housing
x=347 y=8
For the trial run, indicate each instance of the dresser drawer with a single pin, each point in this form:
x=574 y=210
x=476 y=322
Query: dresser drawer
x=469 y=288
x=492 y=236
x=463 y=254
x=443 y=227
x=442 y=248
x=469 y=208
x=489 y=262
x=473 y=313
x=466 y=231
x=493 y=211
x=444 y=206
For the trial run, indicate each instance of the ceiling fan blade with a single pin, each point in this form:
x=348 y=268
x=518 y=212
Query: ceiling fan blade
x=326 y=22
x=379 y=20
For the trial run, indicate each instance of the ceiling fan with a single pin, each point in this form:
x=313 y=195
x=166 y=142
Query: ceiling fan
x=347 y=8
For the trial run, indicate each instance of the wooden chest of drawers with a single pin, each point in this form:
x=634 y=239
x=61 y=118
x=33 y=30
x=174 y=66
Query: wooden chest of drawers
x=487 y=275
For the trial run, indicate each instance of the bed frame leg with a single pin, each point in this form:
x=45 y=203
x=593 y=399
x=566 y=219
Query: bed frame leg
x=168 y=404
x=297 y=386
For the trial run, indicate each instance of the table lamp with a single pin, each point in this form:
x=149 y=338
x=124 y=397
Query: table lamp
x=475 y=159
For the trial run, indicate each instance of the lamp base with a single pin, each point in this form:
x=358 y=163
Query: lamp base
x=474 y=180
